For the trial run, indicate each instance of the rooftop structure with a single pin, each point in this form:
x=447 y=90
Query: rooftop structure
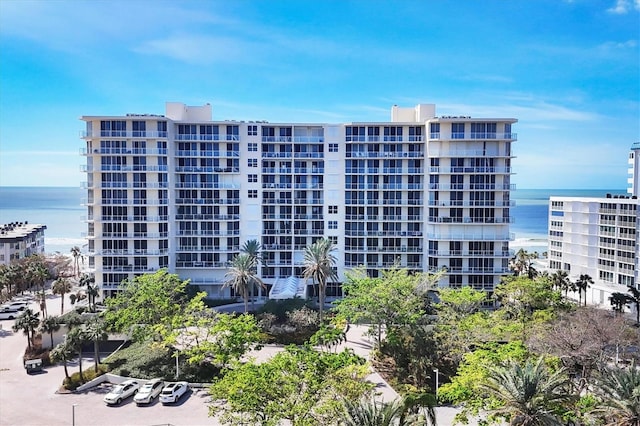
x=184 y=192
x=19 y=240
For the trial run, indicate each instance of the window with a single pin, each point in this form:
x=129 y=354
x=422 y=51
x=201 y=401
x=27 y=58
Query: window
x=333 y=147
x=252 y=130
x=457 y=130
x=252 y=178
x=252 y=147
x=333 y=209
x=333 y=239
x=252 y=162
x=253 y=193
x=333 y=224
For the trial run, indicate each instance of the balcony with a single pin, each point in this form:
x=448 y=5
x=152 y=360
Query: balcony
x=472 y=237
x=142 y=134
x=459 y=136
x=123 y=151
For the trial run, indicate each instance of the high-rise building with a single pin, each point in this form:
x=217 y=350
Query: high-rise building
x=184 y=192
x=599 y=237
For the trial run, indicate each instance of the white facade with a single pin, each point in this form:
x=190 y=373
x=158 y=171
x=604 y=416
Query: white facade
x=634 y=170
x=598 y=237
x=184 y=192
x=19 y=240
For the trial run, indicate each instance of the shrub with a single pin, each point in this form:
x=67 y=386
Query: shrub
x=145 y=360
x=279 y=308
x=74 y=381
x=212 y=303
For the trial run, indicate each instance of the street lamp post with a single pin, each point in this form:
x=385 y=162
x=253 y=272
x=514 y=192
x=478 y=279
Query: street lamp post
x=435 y=370
x=73 y=415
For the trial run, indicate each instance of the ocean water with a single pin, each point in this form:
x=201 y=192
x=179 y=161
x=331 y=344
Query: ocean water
x=59 y=208
x=56 y=207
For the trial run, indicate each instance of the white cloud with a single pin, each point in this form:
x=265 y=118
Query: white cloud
x=629 y=44
x=622 y=7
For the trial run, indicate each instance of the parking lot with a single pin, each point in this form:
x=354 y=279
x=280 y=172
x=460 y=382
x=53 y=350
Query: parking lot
x=32 y=399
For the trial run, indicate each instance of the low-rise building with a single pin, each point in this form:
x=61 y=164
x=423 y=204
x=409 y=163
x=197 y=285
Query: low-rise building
x=19 y=240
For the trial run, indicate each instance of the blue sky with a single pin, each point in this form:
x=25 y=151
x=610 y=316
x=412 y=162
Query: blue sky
x=568 y=70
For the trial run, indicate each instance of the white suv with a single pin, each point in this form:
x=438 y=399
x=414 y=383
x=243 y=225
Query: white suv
x=173 y=391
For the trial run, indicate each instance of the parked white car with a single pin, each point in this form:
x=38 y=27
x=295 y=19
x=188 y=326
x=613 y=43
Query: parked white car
x=121 y=392
x=9 y=314
x=173 y=391
x=17 y=305
x=148 y=392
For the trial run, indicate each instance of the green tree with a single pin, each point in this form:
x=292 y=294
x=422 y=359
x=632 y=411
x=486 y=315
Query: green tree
x=146 y=302
x=62 y=352
x=464 y=389
x=92 y=292
x=388 y=302
x=50 y=325
x=75 y=340
x=618 y=302
x=529 y=394
x=369 y=412
x=242 y=276
x=319 y=265
x=300 y=385
x=561 y=282
x=522 y=263
x=619 y=393
x=582 y=284
x=460 y=324
x=61 y=286
x=634 y=297
x=77 y=255
x=525 y=300
x=253 y=249
x=95 y=331
x=27 y=322
x=214 y=337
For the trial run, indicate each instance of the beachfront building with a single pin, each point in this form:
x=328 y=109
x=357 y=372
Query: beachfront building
x=184 y=192
x=598 y=236
x=19 y=240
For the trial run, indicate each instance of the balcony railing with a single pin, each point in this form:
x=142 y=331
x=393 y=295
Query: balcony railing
x=473 y=136
x=123 y=134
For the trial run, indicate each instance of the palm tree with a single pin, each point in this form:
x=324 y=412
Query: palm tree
x=241 y=277
x=63 y=352
x=371 y=413
x=522 y=263
x=319 y=265
x=93 y=291
x=77 y=254
x=76 y=340
x=618 y=302
x=253 y=249
x=95 y=331
x=634 y=297
x=529 y=394
x=560 y=281
x=27 y=322
x=61 y=286
x=582 y=284
x=50 y=325
x=619 y=392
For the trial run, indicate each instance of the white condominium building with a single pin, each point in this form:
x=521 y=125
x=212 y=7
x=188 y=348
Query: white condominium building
x=19 y=240
x=184 y=192
x=598 y=237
